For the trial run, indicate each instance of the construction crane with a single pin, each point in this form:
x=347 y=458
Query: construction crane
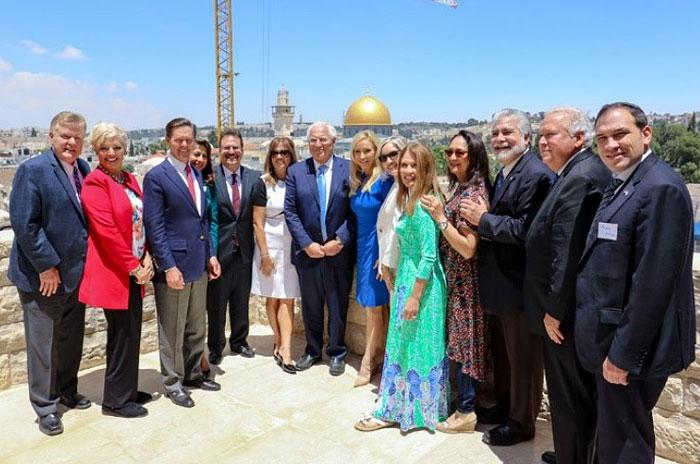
x=223 y=42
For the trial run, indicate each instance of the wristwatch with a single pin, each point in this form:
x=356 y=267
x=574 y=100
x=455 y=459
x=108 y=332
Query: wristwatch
x=443 y=224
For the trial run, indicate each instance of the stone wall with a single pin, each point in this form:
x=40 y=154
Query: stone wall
x=677 y=415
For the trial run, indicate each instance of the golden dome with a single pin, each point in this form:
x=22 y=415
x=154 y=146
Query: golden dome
x=367 y=111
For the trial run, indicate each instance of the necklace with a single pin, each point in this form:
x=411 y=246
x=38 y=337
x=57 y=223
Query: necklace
x=120 y=179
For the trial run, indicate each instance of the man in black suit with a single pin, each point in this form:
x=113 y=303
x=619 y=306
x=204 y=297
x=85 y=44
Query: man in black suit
x=554 y=245
x=635 y=312
x=234 y=184
x=46 y=265
x=520 y=187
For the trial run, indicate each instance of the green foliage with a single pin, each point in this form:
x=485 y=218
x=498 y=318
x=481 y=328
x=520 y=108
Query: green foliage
x=128 y=167
x=211 y=137
x=153 y=147
x=680 y=148
x=440 y=160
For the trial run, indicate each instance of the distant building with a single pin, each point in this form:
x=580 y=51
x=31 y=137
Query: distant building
x=283 y=114
x=367 y=113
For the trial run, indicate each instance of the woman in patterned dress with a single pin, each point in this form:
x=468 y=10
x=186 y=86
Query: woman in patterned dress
x=415 y=379
x=467 y=322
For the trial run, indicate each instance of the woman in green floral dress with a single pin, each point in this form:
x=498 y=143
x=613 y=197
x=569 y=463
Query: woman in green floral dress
x=414 y=389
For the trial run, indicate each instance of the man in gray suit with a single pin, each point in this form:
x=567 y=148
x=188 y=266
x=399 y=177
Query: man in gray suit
x=46 y=265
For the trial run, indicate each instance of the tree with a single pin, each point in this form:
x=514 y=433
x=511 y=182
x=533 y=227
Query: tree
x=440 y=160
x=34 y=131
x=680 y=148
x=692 y=124
x=211 y=136
x=131 y=148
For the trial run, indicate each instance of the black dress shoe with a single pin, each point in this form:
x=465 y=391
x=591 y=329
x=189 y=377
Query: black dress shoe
x=203 y=384
x=180 y=398
x=51 y=424
x=504 y=435
x=143 y=397
x=548 y=457
x=245 y=351
x=75 y=401
x=337 y=366
x=306 y=361
x=128 y=411
x=215 y=358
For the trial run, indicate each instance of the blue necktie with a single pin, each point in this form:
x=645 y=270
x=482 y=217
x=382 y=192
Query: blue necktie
x=498 y=184
x=321 y=184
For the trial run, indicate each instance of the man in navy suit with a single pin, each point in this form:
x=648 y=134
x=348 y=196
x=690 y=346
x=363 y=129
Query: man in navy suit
x=174 y=216
x=635 y=309
x=554 y=245
x=46 y=265
x=317 y=211
x=234 y=184
x=520 y=188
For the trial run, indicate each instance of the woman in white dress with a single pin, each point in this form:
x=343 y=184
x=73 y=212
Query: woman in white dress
x=274 y=276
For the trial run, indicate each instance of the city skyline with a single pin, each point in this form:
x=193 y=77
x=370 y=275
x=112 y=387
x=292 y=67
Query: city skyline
x=139 y=64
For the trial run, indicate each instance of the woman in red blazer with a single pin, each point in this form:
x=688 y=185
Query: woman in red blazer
x=117 y=266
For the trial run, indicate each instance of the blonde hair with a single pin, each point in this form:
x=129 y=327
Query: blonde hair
x=426 y=177
x=355 y=171
x=67 y=117
x=107 y=130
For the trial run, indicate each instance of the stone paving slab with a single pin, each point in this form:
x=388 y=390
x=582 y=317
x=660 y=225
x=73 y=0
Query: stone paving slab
x=261 y=415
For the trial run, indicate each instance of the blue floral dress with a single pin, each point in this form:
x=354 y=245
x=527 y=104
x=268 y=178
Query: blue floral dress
x=414 y=389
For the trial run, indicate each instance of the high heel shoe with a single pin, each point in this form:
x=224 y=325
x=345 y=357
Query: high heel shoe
x=276 y=355
x=289 y=368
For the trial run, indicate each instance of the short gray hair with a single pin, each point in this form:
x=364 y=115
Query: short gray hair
x=523 y=120
x=107 y=130
x=329 y=127
x=579 y=122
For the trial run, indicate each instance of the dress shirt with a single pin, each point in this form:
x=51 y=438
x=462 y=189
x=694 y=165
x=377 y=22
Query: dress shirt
x=229 y=176
x=328 y=175
x=569 y=161
x=69 y=168
x=509 y=167
x=627 y=173
x=180 y=168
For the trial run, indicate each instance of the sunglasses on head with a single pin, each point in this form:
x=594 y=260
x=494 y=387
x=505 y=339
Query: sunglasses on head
x=391 y=155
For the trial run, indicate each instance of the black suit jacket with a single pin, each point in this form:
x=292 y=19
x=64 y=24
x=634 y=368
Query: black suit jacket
x=230 y=225
x=503 y=230
x=556 y=239
x=634 y=294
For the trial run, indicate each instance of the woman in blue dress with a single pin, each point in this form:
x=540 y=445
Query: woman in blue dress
x=369 y=186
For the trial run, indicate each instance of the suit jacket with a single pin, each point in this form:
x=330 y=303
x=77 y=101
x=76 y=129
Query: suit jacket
x=110 y=257
x=177 y=234
x=303 y=214
x=229 y=225
x=556 y=238
x=503 y=230
x=634 y=293
x=49 y=225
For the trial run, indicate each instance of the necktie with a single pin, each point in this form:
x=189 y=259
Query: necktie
x=321 y=184
x=76 y=179
x=608 y=195
x=190 y=182
x=498 y=184
x=235 y=195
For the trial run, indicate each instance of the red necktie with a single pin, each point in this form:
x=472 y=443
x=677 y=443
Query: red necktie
x=190 y=182
x=235 y=195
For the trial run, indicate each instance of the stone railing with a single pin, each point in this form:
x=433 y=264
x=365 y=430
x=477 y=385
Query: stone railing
x=677 y=415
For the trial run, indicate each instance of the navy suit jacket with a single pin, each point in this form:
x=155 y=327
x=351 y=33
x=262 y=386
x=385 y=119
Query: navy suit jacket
x=303 y=214
x=503 y=230
x=177 y=234
x=230 y=225
x=556 y=239
x=634 y=293
x=49 y=225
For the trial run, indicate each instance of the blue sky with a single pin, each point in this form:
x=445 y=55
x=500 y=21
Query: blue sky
x=139 y=63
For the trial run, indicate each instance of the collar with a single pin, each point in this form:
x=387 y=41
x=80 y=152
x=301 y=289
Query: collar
x=627 y=173
x=228 y=173
x=570 y=160
x=177 y=164
x=328 y=164
x=507 y=168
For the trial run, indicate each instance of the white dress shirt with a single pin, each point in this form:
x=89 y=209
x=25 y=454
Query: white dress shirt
x=328 y=175
x=180 y=168
x=229 y=176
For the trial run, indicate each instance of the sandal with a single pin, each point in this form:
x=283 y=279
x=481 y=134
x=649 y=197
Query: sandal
x=371 y=423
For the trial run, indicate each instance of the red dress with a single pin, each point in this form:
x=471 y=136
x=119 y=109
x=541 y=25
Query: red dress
x=467 y=323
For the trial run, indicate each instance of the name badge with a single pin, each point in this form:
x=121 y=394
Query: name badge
x=607 y=231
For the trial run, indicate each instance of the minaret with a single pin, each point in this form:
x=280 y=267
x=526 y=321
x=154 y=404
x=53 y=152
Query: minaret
x=283 y=114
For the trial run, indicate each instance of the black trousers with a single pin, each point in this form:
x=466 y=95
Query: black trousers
x=232 y=289
x=324 y=284
x=53 y=328
x=571 y=391
x=123 y=345
x=625 y=424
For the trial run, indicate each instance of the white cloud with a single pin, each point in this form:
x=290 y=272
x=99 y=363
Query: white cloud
x=114 y=86
x=5 y=66
x=31 y=99
x=33 y=47
x=130 y=86
x=70 y=53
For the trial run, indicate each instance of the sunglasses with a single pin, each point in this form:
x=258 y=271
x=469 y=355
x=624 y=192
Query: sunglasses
x=280 y=153
x=458 y=153
x=391 y=155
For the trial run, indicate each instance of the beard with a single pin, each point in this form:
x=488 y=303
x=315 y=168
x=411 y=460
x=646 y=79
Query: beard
x=504 y=157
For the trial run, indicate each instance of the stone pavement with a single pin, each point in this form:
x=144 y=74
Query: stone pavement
x=261 y=415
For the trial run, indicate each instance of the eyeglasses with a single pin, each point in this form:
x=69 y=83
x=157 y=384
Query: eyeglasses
x=391 y=155
x=280 y=153
x=458 y=153
x=322 y=141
